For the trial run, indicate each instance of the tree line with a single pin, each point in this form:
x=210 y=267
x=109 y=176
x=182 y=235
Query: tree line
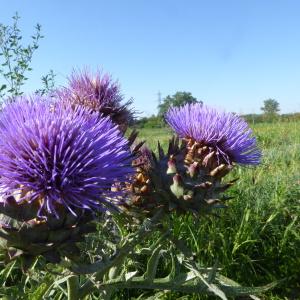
x=270 y=111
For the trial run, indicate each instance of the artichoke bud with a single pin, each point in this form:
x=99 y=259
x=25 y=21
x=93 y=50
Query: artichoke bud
x=177 y=186
x=171 y=165
x=186 y=178
x=23 y=232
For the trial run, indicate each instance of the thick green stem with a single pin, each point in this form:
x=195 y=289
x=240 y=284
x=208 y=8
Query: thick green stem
x=127 y=248
x=73 y=287
x=186 y=283
x=156 y=284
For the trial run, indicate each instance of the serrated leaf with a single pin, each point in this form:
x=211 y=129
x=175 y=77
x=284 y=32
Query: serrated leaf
x=240 y=290
x=153 y=263
x=211 y=287
x=217 y=291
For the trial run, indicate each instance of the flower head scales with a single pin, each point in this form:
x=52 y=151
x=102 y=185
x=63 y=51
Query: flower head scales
x=227 y=133
x=59 y=155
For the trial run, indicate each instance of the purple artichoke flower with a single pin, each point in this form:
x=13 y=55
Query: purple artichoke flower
x=60 y=156
x=99 y=93
x=227 y=133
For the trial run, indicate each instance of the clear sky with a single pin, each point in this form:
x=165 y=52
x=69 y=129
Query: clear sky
x=230 y=54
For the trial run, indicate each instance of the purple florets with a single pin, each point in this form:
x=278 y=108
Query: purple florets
x=100 y=93
x=226 y=132
x=60 y=155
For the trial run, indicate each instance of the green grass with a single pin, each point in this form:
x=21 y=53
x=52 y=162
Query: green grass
x=257 y=239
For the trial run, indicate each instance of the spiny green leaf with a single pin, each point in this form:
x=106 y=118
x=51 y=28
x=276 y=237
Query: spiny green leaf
x=153 y=263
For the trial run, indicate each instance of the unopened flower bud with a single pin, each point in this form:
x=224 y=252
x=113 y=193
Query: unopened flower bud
x=177 y=186
x=171 y=166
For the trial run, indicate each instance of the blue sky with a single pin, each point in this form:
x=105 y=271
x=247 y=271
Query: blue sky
x=230 y=54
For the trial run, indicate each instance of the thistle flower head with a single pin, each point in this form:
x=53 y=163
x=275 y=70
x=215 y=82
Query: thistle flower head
x=100 y=94
x=225 y=133
x=59 y=156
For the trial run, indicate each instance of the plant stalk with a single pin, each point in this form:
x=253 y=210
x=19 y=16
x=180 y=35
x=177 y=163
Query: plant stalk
x=73 y=287
x=127 y=248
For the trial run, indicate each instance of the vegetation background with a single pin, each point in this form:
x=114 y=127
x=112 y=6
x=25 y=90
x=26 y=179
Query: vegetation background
x=256 y=240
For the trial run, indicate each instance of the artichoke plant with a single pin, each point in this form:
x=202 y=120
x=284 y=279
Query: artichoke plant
x=57 y=167
x=190 y=175
x=62 y=164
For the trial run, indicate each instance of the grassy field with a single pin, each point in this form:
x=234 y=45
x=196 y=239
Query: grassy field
x=257 y=239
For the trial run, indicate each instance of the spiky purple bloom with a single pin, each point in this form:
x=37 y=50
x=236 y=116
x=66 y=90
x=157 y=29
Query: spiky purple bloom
x=60 y=155
x=228 y=133
x=100 y=93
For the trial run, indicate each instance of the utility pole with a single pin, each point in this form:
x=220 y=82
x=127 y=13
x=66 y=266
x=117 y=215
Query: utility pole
x=159 y=98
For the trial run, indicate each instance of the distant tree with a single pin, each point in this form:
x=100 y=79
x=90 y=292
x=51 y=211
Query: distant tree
x=149 y=122
x=178 y=99
x=271 y=107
